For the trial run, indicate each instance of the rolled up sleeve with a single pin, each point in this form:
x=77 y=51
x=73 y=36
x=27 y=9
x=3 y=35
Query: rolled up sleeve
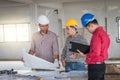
x=55 y=46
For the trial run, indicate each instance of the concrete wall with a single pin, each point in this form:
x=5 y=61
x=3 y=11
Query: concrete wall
x=113 y=11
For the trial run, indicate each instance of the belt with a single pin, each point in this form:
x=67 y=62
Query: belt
x=99 y=62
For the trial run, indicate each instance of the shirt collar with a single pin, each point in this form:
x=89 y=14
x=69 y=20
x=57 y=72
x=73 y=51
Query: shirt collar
x=97 y=29
x=46 y=33
x=74 y=35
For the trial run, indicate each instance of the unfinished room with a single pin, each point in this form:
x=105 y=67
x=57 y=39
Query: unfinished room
x=59 y=39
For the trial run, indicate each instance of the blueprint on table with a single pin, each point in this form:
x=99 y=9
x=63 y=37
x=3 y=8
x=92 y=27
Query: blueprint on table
x=36 y=62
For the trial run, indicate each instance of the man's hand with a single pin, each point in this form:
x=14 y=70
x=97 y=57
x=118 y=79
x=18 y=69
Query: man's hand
x=63 y=63
x=74 y=55
x=22 y=59
x=31 y=52
x=80 y=53
x=57 y=61
x=57 y=64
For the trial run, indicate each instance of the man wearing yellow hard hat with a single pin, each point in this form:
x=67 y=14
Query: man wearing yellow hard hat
x=68 y=58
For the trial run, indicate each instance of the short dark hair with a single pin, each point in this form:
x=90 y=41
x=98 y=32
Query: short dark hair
x=93 y=22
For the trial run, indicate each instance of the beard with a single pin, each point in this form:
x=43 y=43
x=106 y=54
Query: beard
x=44 y=31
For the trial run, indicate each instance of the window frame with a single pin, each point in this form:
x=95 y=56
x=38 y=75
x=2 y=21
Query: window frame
x=118 y=26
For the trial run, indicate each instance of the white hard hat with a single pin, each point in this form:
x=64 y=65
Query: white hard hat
x=43 y=20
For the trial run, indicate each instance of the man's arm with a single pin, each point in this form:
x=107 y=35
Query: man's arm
x=56 y=56
x=80 y=53
x=30 y=52
x=56 y=50
x=95 y=48
x=63 y=55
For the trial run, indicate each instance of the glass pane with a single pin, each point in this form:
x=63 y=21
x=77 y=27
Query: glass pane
x=22 y=32
x=10 y=32
x=1 y=33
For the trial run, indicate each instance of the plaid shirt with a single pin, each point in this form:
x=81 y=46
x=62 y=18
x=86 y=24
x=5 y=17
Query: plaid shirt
x=66 y=53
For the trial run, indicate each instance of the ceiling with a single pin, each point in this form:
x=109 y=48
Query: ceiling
x=46 y=1
x=7 y=3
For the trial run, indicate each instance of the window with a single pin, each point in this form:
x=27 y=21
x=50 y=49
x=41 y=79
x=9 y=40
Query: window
x=118 y=22
x=9 y=32
x=14 y=32
x=22 y=32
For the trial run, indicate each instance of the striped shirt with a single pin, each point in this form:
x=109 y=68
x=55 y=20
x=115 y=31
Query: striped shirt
x=66 y=53
x=45 y=46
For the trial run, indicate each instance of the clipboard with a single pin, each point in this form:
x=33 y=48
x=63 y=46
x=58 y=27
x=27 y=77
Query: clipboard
x=83 y=48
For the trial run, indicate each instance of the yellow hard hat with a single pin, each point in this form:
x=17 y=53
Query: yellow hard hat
x=71 y=22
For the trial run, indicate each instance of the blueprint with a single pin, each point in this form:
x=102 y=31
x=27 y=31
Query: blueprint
x=36 y=62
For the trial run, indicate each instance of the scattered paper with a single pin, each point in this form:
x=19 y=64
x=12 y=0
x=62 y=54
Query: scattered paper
x=37 y=73
x=36 y=62
x=82 y=74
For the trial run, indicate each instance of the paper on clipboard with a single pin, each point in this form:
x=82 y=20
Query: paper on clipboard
x=37 y=63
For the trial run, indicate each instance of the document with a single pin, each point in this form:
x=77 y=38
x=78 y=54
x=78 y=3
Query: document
x=37 y=63
x=83 y=48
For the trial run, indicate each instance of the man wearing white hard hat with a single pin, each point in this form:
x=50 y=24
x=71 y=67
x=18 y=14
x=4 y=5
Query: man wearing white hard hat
x=44 y=42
